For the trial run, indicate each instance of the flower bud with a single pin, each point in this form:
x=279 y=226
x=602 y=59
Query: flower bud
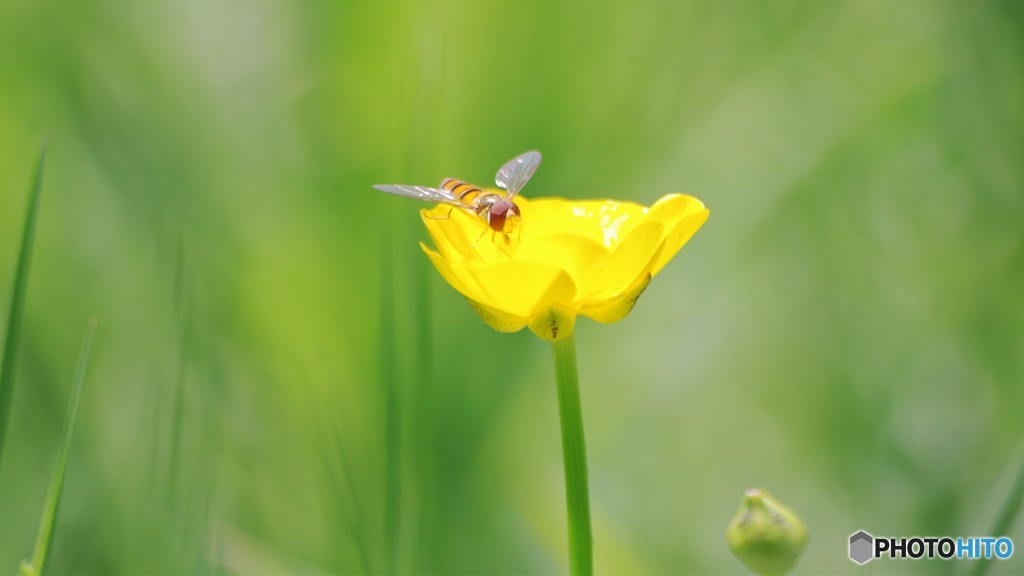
x=766 y=535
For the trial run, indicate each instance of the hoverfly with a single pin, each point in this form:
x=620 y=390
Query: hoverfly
x=496 y=209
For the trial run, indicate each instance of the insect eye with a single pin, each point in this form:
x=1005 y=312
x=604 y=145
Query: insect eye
x=496 y=217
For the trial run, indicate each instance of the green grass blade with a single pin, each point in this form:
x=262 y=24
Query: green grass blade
x=387 y=363
x=340 y=467
x=45 y=537
x=17 y=303
x=173 y=496
x=1007 y=517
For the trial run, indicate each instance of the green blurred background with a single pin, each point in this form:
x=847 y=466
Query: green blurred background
x=282 y=384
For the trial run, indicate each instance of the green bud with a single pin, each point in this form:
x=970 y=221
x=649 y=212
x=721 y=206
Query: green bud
x=766 y=535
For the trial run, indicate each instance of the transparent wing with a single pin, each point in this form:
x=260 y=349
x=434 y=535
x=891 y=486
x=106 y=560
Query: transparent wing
x=425 y=193
x=517 y=172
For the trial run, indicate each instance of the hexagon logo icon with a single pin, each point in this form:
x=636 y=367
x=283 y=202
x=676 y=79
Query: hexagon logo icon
x=861 y=547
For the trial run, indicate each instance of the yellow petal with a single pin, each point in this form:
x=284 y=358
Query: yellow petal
x=577 y=255
x=628 y=263
x=682 y=217
x=497 y=319
x=617 y=308
x=553 y=324
x=521 y=289
x=465 y=284
x=603 y=221
x=457 y=234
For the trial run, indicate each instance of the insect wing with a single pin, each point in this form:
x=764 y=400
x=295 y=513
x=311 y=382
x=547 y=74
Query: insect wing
x=517 y=172
x=425 y=193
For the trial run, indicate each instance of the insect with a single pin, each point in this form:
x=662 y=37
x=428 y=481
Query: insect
x=497 y=209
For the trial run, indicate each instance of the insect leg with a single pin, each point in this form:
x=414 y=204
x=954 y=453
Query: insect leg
x=445 y=217
x=494 y=240
x=477 y=242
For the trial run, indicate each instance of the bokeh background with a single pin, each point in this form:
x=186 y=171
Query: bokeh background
x=281 y=383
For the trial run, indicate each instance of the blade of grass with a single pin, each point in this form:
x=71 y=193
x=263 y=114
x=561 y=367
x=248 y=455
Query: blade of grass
x=176 y=514
x=340 y=467
x=428 y=95
x=44 y=539
x=1007 y=516
x=425 y=424
x=387 y=363
x=17 y=302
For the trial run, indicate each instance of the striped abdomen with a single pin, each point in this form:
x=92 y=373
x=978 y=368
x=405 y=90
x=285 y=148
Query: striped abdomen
x=466 y=193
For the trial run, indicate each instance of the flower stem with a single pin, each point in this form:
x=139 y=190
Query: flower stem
x=574 y=453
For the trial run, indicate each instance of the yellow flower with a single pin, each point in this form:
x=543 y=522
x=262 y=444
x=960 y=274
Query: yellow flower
x=566 y=258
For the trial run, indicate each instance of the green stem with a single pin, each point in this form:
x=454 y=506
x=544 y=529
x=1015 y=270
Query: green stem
x=574 y=453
